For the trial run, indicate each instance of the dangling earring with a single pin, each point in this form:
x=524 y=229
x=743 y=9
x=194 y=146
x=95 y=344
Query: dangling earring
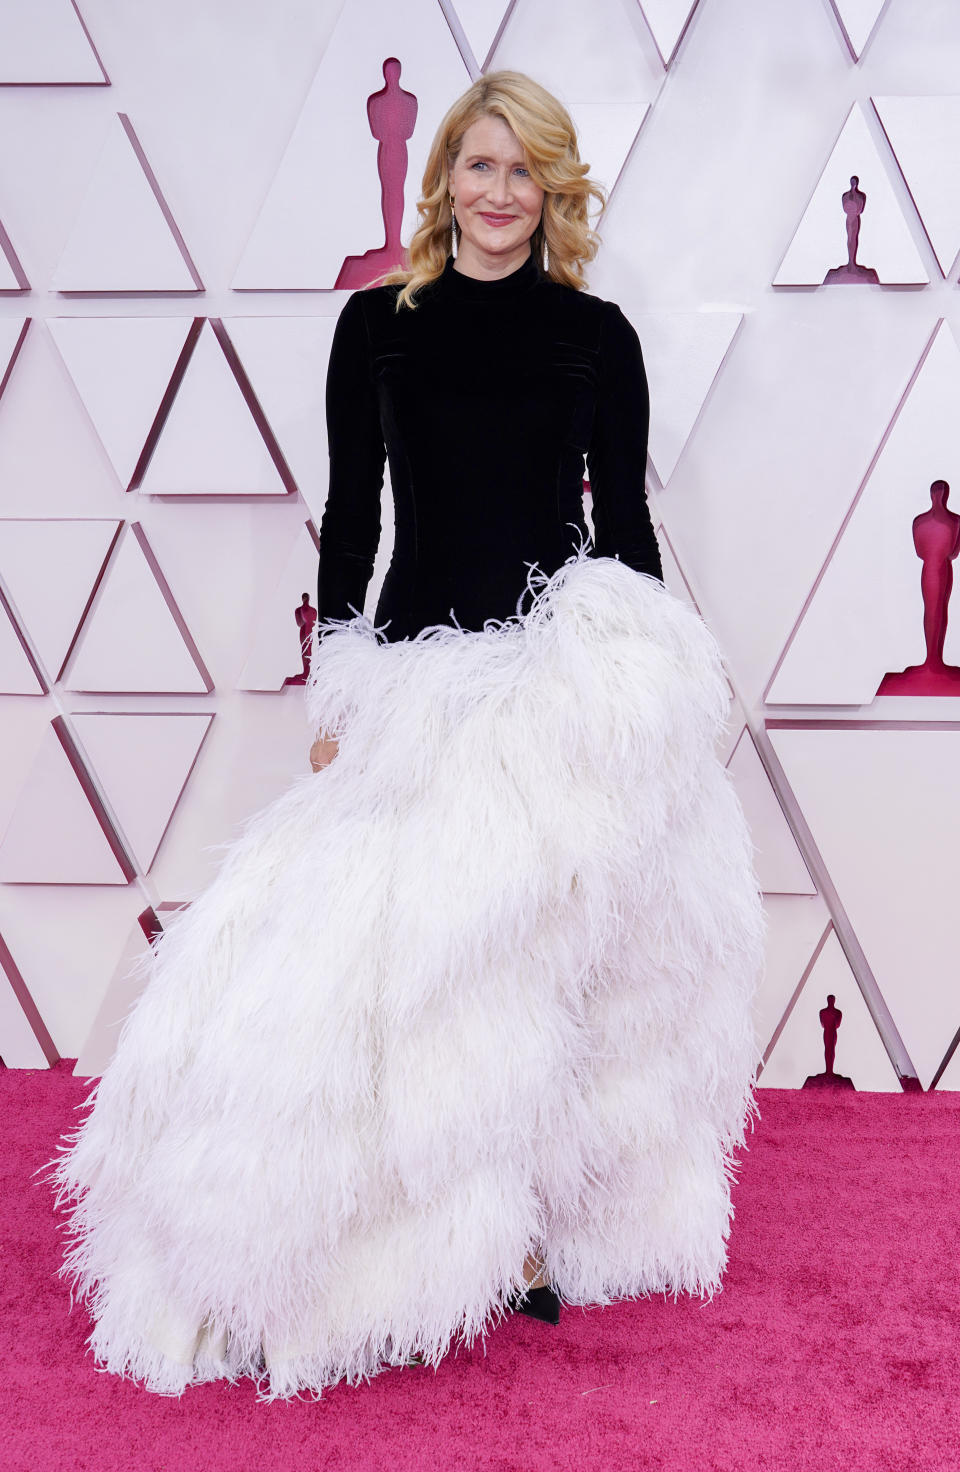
x=453 y=230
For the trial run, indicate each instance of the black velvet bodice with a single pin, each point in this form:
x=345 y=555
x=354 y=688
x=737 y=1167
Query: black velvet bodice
x=484 y=399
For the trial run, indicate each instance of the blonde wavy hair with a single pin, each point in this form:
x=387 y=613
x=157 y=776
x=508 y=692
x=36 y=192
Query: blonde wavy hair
x=563 y=241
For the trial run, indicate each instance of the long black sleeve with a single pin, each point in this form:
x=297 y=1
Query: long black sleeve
x=350 y=526
x=617 y=456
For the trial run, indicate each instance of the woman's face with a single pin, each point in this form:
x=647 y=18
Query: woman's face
x=497 y=204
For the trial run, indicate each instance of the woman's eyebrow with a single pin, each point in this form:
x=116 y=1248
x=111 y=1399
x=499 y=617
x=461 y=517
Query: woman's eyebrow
x=472 y=158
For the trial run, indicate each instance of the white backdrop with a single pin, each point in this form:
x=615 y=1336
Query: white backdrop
x=179 y=188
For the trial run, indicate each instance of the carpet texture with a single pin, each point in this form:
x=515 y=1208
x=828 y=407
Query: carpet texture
x=835 y=1342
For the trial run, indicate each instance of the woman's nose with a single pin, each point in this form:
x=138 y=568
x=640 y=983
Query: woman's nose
x=499 y=187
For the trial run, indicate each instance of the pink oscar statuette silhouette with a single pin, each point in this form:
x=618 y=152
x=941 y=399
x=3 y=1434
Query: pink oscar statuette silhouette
x=392 y=115
x=854 y=201
x=830 y=1019
x=936 y=537
x=305 y=616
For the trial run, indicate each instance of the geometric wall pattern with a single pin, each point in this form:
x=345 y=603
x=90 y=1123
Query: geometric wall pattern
x=163 y=452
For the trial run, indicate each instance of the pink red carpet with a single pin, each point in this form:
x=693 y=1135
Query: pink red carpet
x=834 y=1344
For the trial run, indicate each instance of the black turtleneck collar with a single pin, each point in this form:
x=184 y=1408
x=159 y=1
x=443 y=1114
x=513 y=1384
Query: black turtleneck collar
x=458 y=284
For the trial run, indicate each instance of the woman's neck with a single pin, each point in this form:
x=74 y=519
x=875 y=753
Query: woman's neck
x=470 y=262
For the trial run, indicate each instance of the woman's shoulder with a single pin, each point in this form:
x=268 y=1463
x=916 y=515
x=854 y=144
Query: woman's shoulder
x=374 y=308
x=368 y=302
x=599 y=316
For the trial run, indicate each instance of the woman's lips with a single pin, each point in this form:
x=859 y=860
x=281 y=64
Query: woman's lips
x=496 y=219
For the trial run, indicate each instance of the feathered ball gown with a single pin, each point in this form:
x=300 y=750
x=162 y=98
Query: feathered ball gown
x=481 y=986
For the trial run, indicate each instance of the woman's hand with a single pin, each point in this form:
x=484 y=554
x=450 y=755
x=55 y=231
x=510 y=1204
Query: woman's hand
x=322 y=752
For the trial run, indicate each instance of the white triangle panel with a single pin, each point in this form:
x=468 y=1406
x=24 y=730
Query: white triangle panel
x=779 y=864
x=209 y=444
x=53 y=835
x=45 y=42
x=668 y=19
x=301 y=238
x=123 y=238
x=857 y=20
x=924 y=133
x=883 y=805
x=795 y=927
x=682 y=354
x=286 y=361
x=799 y=1051
x=143 y=762
x=19 y=1047
x=275 y=655
x=50 y=569
x=123 y=989
x=17 y=675
x=820 y=242
x=121 y=367
x=25 y=1041
x=673 y=575
x=865 y=617
x=950 y=1077
x=597 y=53
x=12 y=334
x=67 y=939
x=12 y=278
x=133 y=639
x=481 y=20
x=605 y=134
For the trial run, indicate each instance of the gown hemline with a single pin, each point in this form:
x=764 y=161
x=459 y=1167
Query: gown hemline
x=482 y=985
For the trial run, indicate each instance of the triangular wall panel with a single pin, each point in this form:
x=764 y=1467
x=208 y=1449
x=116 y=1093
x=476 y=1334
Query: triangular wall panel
x=857 y=20
x=883 y=806
x=54 y=835
x=604 y=68
x=482 y=21
x=668 y=21
x=950 y=1077
x=779 y=864
x=134 y=638
x=819 y=244
x=799 y=1050
x=683 y=353
x=795 y=931
x=924 y=133
x=46 y=42
x=864 y=617
x=124 y=238
x=13 y=331
x=143 y=763
x=210 y=443
x=275 y=655
x=13 y=278
x=125 y=986
x=286 y=360
x=17 y=673
x=122 y=367
x=298 y=241
x=24 y=1039
x=50 y=570
x=606 y=132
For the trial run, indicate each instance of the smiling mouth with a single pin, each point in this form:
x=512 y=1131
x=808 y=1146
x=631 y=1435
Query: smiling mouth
x=487 y=215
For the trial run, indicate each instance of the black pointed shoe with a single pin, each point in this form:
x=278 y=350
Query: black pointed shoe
x=537 y=1303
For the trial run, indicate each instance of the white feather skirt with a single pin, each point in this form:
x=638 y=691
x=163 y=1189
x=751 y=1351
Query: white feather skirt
x=481 y=987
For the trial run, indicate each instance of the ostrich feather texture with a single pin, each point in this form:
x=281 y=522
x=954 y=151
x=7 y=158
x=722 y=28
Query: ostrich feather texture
x=481 y=987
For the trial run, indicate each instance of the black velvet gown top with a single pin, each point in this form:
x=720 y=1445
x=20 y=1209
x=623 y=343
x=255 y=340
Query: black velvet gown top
x=484 y=399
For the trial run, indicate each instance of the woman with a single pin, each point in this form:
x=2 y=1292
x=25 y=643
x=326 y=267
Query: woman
x=468 y=1013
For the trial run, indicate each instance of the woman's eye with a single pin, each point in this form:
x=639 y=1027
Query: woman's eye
x=518 y=170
